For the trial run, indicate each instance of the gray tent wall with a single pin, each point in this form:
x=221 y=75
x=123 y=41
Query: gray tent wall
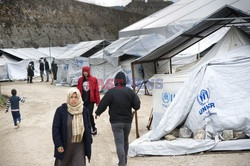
x=17 y=68
x=104 y=63
x=180 y=16
x=171 y=83
x=183 y=24
x=84 y=49
x=70 y=70
x=190 y=107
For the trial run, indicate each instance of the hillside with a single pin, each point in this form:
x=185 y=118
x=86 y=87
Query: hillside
x=40 y=23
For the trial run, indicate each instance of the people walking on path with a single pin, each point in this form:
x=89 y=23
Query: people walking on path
x=71 y=132
x=120 y=100
x=88 y=86
x=13 y=103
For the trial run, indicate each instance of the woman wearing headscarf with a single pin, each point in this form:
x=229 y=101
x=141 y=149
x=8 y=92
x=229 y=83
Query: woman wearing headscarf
x=71 y=132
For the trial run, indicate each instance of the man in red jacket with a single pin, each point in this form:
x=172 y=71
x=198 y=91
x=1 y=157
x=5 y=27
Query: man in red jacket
x=88 y=86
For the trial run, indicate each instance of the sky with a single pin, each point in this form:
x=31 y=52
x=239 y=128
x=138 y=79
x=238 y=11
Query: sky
x=108 y=2
x=111 y=2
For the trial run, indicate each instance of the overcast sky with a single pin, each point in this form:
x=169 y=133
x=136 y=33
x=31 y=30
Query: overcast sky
x=108 y=2
x=111 y=2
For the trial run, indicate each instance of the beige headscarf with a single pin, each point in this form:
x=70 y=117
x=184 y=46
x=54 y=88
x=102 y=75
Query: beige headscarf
x=76 y=111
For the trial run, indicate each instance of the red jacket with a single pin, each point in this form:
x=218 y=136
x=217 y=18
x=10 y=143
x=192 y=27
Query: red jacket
x=93 y=86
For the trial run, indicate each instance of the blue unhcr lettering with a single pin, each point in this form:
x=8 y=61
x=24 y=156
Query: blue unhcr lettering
x=206 y=108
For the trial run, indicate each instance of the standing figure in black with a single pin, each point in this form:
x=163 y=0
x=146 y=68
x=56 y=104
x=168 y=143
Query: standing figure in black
x=41 y=68
x=54 y=69
x=30 y=72
x=46 y=69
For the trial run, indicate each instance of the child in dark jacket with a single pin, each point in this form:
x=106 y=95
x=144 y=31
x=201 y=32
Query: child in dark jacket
x=13 y=102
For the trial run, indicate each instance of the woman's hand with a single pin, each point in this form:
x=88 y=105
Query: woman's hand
x=60 y=149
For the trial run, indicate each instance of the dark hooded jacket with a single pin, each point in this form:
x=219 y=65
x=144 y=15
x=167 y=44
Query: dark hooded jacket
x=93 y=86
x=120 y=100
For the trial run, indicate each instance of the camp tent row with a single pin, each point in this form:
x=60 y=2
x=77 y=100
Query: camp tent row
x=14 y=62
x=202 y=93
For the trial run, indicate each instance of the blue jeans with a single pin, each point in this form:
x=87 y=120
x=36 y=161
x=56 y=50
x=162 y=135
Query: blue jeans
x=121 y=133
x=16 y=117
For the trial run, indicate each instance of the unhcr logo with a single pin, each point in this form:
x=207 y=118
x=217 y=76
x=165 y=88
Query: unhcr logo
x=204 y=96
x=167 y=98
x=203 y=100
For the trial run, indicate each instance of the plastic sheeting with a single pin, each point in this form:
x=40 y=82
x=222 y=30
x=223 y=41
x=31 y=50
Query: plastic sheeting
x=104 y=63
x=162 y=97
x=70 y=70
x=210 y=92
x=80 y=48
x=18 y=70
x=179 y=17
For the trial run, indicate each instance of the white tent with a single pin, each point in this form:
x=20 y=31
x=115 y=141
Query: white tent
x=122 y=52
x=15 y=61
x=82 y=48
x=17 y=69
x=207 y=100
x=183 y=24
x=171 y=83
x=69 y=70
x=180 y=16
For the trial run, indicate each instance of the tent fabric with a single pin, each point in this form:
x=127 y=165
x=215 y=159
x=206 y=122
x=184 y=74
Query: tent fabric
x=18 y=70
x=80 y=48
x=70 y=70
x=104 y=63
x=173 y=82
x=209 y=93
x=191 y=54
x=206 y=90
x=180 y=16
x=187 y=32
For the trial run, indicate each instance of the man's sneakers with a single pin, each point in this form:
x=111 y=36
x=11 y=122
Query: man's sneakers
x=17 y=125
x=94 y=132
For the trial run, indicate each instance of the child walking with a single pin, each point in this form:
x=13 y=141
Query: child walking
x=13 y=102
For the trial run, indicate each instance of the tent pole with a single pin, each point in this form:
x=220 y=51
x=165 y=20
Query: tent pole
x=170 y=61
x=155 y=67
x=135 y=113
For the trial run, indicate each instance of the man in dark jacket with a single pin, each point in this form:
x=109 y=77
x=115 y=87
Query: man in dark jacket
x=120 y=100
x=41 y=68
x=46 y=69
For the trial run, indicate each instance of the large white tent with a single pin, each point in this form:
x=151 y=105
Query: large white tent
x=184 y=24
x=180 y=16
x=83 y=48
x=118 y=55
x=171 y=83
x=208 y=101
x=17 y=68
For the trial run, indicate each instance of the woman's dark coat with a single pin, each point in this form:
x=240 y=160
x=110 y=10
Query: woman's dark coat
x=59 y=131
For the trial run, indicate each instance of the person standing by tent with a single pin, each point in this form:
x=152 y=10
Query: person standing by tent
x=13 y=102
x=46 y=69
x=88 y=86
x=54 y=68
x=41 y=68
x=71 y=132
x=30 y=72
x=120 y=100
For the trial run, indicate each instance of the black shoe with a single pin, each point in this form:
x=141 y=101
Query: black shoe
x=94 y=132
